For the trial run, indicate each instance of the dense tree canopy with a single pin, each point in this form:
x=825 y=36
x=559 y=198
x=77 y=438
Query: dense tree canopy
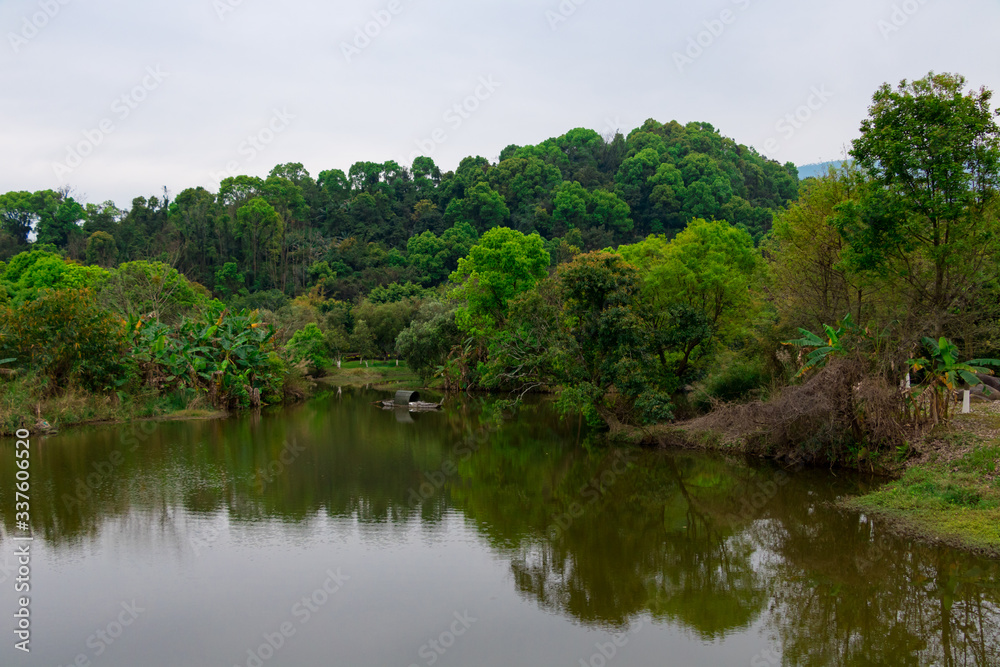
x=377 y=223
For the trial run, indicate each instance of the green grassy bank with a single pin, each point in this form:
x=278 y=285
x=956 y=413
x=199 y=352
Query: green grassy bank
x=22 y=405
x=380 y=373
x=950 y=491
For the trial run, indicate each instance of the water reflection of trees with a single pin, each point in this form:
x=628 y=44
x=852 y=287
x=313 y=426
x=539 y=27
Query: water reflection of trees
x=646 y=542
x=849 y=594
x=705 y=543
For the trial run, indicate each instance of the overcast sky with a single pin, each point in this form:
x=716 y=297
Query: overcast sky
x=117 y=98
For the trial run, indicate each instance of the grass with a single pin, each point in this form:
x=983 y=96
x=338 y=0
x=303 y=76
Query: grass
x=23 y=405
x=951 y=492
x=382 y=373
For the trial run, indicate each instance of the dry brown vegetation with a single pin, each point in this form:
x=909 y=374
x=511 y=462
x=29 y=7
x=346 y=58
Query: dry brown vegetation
x=820 y=420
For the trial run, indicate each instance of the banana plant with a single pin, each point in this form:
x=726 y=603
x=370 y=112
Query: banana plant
x=227 y=355
x=944 y=372
x=823 y=347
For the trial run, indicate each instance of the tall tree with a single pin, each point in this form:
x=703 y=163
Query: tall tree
x=194 y=214
x=932 y=151
x=17 y=216
x=260 y=228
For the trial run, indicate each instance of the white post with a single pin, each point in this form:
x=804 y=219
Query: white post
x=907 y=382
x=966 y=402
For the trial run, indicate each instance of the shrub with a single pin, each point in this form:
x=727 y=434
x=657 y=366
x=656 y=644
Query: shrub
x=737 y=381
x=65 y=337
x=308 y=344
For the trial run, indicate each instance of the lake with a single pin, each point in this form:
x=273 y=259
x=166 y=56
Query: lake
x=337 y=533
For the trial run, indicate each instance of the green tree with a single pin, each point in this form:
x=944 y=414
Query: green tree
x=426 y=216
x=228 y=280
x=365 y=176
x=153 y=290
x=194 y=215
x=808 y=273
x=500 y=266
x=67 y=338
x=102 y=249
x=426 y=343
x=17 y=215
x=426 y=176
x=709 y=268
x=523 y=182
x=59 y=218
x=395 y=292
x=362 y=340
x=609 y=371
x=932 y=152
x=104 y=217
x=28 y=273
x=607 y=209
x=427 y=253
x=482 y=206
x=237 y=191
x=260 y=227
x=385 y=321
x=633 y=177
x=309 y=344
x=570 y=205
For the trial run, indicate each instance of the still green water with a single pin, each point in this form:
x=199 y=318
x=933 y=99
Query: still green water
x=336 y=533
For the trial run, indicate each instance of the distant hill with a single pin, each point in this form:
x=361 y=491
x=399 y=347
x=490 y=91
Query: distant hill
x=818 y=168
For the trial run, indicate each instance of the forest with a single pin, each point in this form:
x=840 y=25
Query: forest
x=642 y=279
